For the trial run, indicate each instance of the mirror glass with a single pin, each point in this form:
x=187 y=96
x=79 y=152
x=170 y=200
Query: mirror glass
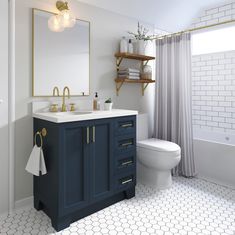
x=60 y=58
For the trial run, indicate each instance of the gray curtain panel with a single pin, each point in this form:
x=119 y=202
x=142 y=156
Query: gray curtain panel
x=173 y=109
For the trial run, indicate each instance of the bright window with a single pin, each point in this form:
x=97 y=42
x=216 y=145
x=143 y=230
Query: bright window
x=213 y=41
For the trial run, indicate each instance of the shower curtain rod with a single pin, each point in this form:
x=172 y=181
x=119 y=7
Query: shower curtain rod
x=198 y=28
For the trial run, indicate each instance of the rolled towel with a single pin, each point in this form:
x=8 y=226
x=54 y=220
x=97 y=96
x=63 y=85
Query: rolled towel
x=36 y=162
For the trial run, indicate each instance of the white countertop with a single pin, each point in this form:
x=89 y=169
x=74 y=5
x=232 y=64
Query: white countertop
x=83 y=115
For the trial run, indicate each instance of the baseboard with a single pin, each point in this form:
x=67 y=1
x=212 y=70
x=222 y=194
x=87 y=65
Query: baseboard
x=24 y=203
x=3 y=215
x=215 y=181
x=19 y=205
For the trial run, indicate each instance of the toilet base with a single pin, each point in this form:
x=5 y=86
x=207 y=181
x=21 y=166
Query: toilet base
x=153 y=178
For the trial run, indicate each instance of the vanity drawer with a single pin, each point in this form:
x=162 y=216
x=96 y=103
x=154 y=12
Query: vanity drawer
x=125 y=125
x=125 y=162
x=125 y=143
x=125 y=180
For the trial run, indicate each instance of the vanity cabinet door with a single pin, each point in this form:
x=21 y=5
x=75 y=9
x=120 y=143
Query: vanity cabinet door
x=102 y=159
x=74 y=167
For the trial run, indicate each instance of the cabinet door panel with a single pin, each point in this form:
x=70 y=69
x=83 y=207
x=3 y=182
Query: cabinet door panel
x=102 y=159
x=75 y=168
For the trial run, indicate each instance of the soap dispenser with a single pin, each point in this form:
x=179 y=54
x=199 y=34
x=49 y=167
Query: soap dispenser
x=96 y=102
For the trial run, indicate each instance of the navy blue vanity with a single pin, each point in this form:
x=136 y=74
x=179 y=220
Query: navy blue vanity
x=91 y=165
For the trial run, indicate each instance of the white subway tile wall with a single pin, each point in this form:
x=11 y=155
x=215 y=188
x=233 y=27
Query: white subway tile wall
x=215 y=15
x=214 y=91
x=214 y=80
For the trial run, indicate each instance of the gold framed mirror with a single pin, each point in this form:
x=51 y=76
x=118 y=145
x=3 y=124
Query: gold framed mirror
x=59 y=59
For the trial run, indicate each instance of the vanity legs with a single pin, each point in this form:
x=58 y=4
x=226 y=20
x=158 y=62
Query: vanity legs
x=60 y=224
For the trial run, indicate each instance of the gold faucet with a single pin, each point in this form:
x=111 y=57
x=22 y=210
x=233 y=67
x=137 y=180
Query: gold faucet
x=64 y=109
x=56 y=90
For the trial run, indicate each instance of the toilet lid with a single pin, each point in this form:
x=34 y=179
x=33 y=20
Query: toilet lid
x=159 y=145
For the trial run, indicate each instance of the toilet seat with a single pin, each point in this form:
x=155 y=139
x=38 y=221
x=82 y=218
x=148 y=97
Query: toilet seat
x=160 y=146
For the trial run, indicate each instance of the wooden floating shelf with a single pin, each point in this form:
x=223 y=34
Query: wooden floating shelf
x=134 y=56
x=144 y=61
x=126 y=80
x=143 y=82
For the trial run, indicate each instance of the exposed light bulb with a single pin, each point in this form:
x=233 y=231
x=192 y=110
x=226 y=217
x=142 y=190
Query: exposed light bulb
x=55 y=24
x=67 y=19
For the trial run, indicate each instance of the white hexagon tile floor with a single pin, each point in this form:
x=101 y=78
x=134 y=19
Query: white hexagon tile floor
x=190 y=206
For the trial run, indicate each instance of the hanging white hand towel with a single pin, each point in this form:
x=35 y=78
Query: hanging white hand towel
x=36 y=162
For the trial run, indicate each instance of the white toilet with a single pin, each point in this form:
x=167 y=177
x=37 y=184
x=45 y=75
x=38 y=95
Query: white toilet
x=155 y=158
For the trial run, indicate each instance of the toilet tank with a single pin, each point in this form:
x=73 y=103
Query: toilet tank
x=142 y=126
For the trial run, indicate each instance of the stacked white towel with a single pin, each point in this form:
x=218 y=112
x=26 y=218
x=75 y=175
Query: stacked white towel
x=36 y=162
x=129 y=73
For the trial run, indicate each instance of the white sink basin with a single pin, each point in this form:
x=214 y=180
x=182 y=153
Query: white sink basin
x=73 y=113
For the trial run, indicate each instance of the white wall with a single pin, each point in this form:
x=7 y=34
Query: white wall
x=106 y=30
x=4 y=107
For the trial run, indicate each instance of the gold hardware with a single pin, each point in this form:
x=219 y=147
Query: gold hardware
x=196 y=29
x=56 y=90
x=126 y=163
x=127 y=181
x=93 y=134
x=144 y=86
x=44 y=132
x=64 y=109
x=118 y=62
x=126 y=144
x=118 y=87
x=143 y=64
x=35 y=139
x=54 y=108
x=72 y=107
x=126 y=125
x=41 y=134
x=61 y=6
x=88 y=135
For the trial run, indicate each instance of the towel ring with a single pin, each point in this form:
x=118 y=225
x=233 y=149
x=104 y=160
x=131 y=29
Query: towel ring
x=35 y=139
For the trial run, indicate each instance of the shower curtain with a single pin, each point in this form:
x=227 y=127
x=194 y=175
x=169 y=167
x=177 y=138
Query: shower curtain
x=173 y=107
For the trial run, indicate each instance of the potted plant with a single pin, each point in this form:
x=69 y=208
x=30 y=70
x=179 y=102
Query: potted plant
x=142 y=39
x=108 y=104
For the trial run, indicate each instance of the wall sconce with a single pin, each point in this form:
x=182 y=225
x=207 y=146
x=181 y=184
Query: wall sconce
x=65 y=18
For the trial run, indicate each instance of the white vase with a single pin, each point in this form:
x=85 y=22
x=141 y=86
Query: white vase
x=108 y=106
x=144 y=47
x=141 y=47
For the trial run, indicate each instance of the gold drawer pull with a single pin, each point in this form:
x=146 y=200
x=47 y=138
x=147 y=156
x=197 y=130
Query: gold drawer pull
x=93 y=134
x=88 y=135
x=126 y=144
x=127 y=125
x=126 y=163
x=127 y=181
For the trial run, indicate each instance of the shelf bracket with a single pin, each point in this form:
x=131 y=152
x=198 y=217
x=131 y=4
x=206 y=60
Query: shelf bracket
x=144 y=63
x=118 y=62
x=118 y=87
x=144 y=86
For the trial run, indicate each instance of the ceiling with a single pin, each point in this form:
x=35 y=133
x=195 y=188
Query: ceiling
x=168 y=15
